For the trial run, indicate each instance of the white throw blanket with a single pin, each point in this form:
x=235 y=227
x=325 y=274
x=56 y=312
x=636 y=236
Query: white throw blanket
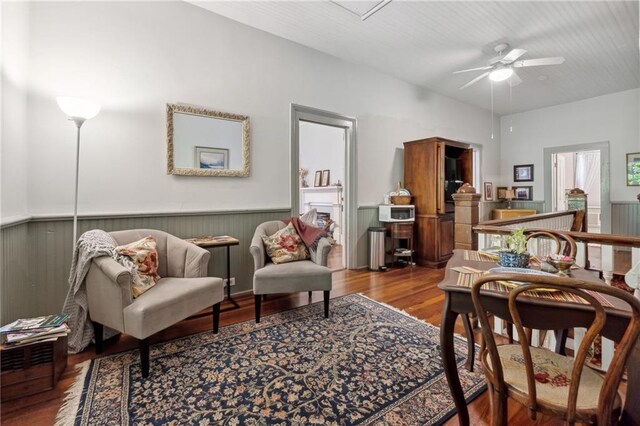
x=91 y=244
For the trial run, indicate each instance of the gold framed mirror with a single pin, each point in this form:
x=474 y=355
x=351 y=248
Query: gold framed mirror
x=204 y=142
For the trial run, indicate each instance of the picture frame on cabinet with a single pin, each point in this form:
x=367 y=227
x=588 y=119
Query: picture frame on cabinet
x=501 y=193
x=523 y=173
x=523 y=193
x=488 y=191
x=317 y=181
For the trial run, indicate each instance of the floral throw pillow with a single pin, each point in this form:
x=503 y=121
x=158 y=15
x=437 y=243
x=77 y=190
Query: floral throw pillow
x=285 y=246
x=144 y=255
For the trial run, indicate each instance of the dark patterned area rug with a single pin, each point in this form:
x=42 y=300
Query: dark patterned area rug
x=368 y=364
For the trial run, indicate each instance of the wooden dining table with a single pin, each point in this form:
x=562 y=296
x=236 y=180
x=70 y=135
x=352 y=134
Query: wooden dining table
x=552 y=315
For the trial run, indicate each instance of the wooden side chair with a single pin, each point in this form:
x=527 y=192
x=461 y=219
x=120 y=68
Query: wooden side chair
x=569 y=248
x=542 y=380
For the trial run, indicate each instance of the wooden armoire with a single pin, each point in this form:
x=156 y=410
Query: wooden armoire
x=434 y=169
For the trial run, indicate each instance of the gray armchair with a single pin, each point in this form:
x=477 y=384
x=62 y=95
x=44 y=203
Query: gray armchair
x=182 y=290
x=303 y=275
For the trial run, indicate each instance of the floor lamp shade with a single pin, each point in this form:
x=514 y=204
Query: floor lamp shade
x=78 y=110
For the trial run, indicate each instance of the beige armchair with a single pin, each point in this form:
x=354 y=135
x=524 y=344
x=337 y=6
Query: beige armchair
x=183 y=289
x=303 y=275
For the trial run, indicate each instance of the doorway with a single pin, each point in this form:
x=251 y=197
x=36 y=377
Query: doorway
x=323 y=150
x=578 y=169
x=584 y=166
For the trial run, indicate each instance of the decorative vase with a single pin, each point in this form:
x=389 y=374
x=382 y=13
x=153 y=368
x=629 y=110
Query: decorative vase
x=513 y=260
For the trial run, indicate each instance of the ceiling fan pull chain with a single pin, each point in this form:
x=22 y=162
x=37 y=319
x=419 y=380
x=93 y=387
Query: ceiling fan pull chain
x=511 y=104
x=491 y=84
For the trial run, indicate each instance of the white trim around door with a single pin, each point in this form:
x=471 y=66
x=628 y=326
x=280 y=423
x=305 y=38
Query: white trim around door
x=349 y=124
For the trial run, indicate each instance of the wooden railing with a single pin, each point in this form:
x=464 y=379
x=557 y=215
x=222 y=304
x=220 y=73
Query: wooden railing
x=562 y=222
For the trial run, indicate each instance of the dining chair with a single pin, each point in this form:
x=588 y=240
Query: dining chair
x=542 y=380
x=569 y=247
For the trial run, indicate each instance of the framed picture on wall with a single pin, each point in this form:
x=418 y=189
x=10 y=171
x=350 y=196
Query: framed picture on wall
x=488 y=191
x=523 y=173
x=524 y=193
x=325 y=178
x=211 y=158
x=501 y=193
x=318 y=179
x=633 y=169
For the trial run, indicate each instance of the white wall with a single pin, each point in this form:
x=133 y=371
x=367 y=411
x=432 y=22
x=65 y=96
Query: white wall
x=132 y=58
x=614 y=118
x=14 y=124
x=322 y=148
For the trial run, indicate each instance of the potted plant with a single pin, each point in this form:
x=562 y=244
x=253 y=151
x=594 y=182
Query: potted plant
x=515 y=255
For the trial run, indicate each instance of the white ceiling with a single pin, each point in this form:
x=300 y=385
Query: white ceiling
x=423 y=42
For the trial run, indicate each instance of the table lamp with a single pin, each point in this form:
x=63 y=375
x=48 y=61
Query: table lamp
x=509 y=195
x=78 y=111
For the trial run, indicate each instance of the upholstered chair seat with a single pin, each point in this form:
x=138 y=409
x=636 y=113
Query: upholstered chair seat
x=552 y=374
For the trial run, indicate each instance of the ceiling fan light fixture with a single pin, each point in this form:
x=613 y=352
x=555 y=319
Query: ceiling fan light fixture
x=500 y=74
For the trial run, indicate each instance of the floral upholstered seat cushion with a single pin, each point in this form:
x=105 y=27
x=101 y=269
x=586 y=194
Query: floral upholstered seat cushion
x=552 y=373
x=144 y=256
x=285 y=246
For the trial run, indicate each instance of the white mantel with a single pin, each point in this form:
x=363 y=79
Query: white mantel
x=325 y=199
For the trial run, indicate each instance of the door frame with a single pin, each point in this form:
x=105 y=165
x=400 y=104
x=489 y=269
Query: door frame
x=605 y=198
x=349 y=124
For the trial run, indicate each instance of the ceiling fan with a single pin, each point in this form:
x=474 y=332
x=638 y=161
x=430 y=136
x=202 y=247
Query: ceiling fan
x=502 y=67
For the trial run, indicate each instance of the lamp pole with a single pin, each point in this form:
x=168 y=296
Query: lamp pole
x=78 y=111
x=79 y=122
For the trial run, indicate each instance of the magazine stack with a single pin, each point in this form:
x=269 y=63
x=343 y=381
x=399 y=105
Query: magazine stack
x=34 y=330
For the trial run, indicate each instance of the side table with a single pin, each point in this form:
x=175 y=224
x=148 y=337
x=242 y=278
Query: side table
x=400 y=231
x=220 y=241
x=32 y=368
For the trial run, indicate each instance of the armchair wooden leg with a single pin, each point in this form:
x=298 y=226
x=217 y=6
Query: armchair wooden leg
x=216 y=317
x=258 y=302
x=98 y=331
x=144 y=357
x=310 y=294
x=326 y=303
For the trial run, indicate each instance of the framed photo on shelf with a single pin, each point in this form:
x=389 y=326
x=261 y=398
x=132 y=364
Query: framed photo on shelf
x=488 y=191
x=318 y=179
x=325 y=178
x=633 y=169
x=501 y=193
x=211 y=158
x=523 y=193
x=523 y=173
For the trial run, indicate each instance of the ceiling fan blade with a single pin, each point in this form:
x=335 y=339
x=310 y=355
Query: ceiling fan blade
x=538 y=62
x=475 y=80
x=514 y=80
x=512 y=56
x=473 y=69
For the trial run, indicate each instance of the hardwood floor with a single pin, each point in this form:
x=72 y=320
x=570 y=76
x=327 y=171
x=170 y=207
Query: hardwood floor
x=412 y=289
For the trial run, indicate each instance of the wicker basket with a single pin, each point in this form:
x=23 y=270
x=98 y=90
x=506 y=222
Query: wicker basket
x=401 y=200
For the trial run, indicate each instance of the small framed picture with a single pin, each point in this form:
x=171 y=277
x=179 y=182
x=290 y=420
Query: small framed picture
x=325 y=178
x=524 y=193
x=488 y=191
x=318 y=179
x=523 y=173
x=501 y=193
x=211 y=158
x=633 y=169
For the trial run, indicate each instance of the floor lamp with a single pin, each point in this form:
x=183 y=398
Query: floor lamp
x=78 y=111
